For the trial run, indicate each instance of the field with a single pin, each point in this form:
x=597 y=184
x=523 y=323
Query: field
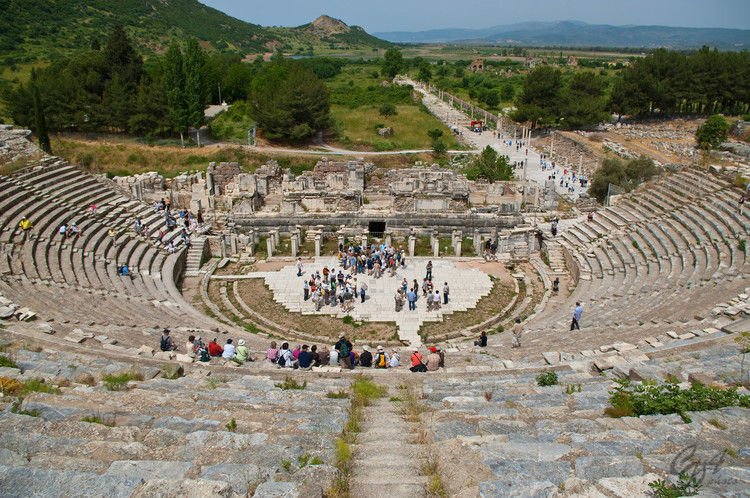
x=358 y=93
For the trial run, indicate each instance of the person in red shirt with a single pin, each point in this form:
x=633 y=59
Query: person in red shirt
x=214 y=349
x=416 y=362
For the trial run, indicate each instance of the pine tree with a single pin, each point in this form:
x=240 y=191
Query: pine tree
x=41 y=123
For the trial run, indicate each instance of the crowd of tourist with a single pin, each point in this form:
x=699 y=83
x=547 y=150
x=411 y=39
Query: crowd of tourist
x=343 y=355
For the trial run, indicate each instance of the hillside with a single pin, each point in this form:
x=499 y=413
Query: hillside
x=572 y=33
x=32 y=30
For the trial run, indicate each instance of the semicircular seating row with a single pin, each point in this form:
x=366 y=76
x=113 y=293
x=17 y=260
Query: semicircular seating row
x=57 y=276
x=666 y=252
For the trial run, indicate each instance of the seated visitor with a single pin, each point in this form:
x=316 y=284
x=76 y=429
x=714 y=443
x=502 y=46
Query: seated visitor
x=305 y=358
x=365 y=359
x=214 y=349
x=229 y=350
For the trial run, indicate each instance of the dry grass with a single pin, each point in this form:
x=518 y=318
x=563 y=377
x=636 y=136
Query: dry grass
x=259 y=298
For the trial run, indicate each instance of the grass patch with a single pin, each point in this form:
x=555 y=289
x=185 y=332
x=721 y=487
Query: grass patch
x=96 y=420
x=687 y=485
x=339 y=395
x=119 y=381
x=231 y=426
x=716 y=423
x=395 y=399
x=38 y=386
x=7 y=362
x=290 y=384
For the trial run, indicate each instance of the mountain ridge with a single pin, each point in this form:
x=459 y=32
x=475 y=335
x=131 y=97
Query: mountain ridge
x=578 y=33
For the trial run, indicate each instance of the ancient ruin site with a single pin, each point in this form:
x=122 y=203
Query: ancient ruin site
x=309 y=262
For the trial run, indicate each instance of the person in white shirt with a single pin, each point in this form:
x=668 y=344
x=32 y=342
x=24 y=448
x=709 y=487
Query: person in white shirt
x=334 y=358
x=229 y=350
x=394 y=358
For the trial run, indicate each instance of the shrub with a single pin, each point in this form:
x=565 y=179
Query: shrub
x=38 y=386
x=686 y=486
x=339 y=395
x=232 y=425
x=95 y=420
x=712 y=133
x=629 y=399
x=548 y=378
x=7 y=362
x=10 y=387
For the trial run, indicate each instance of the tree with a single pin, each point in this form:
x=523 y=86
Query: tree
x=174 y=81
x=393 y=63
x=435 y=133
x=195 y=85
x=507 y=91
x=120 y=57
x=583 y=103
x=490 y=98
x=625 y=175
x=387 y=110
x=712 y=133
x=438 y=147
x=425 y=73
x=289 y=102
x=40 y=123
x=540 y=97
x=490 y=167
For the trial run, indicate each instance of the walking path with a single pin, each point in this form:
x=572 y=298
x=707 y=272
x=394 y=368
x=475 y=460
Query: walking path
x=453 y=117
x=467 y=287
x=385 y=463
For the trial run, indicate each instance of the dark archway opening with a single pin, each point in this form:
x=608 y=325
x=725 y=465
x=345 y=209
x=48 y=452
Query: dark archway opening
x=376 y=228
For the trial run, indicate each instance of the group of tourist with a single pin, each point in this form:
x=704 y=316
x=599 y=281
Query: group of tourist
x=327 y=287
x=410 y=295
x=196 y=348
x=343 y=355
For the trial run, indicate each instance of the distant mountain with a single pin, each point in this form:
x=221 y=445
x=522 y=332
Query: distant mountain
x=580 y=34
x=46 y=29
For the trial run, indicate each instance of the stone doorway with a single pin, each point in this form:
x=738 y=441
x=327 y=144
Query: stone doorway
x=376 y=228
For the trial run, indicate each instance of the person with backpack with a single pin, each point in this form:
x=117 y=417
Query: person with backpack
x=381 y=358
x=286 y=359
x=365 y=359
x=416 y=362
x=344 y=347
x=166 y=343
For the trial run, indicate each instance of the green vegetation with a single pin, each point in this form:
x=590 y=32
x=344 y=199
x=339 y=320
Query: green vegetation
x=290 y=384
x=712 y=133
x=668 y=83
x=339 y=395
x=630 y=400
x=626 y=175
x=118 y=382
x=7 y=362
x=686 y=486
x=489 y=166
x=38 y=386
x=289 y=102
x=232 y=425
x=95 y=420
x=547 y=378
x=393 y=63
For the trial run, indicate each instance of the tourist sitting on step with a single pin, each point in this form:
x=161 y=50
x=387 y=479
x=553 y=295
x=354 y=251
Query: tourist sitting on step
x=72 y=230
x=482 y=341
x=305 y=358
x=214 y=349
x=25 y=226
x=286 y=358
x=381 y=359
x=171 y=248
x=124 y=271
x=433 y=360
x=166 y=343
x=365 y=359
x=272 y=353
x=393 y=362
x=416 y=362
x=242 y=354
x=190 y=346
x=62 y=230
x=229 y=351
x=344 y=347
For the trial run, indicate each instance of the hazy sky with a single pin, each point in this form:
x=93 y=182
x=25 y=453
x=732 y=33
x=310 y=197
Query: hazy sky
x=418 y=15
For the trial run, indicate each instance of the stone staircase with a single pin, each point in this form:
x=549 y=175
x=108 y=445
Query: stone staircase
x=195 y=256
x=556 y=258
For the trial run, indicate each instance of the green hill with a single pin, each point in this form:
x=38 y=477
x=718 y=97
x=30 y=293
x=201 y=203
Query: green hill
x=39 y=30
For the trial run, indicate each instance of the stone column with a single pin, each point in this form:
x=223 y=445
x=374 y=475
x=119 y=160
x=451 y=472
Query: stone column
x=295 y=245
x=388 y=239
x=477 y=243
x=223 y=245
x=412 y=243
x=435 y=248
x=276 y=237
x=458 y=248
x=269 y=246
x=317 y=245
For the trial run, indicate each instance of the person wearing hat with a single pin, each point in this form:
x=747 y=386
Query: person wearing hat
x=214 y=349
x=433 y=360
x=381 y=358
x=166 y=343
x=242 y=355
x=344 y=347
x=416 y=362
x=393 y=363
x=305 y=358
x=365 y=359
x=229 y=350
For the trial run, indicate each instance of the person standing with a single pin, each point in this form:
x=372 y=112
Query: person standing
x=299 y=267
x=517 y=330
x=574 y=324
x=412 y=297
x=446 y=291
x=429 y=270
x=344 y=347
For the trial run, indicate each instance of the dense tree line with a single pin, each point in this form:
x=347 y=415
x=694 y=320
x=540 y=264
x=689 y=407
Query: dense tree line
x=669 y=83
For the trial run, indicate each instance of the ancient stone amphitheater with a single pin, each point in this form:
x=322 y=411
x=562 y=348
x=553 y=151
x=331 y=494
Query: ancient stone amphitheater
x=662 y=277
